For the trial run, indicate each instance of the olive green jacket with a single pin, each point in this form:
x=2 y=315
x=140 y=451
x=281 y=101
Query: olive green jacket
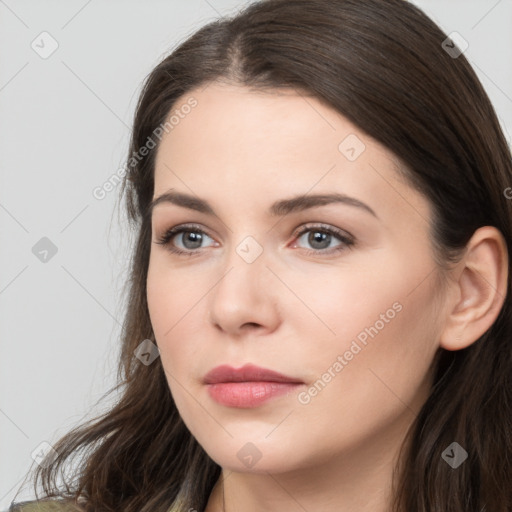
x=44 y=506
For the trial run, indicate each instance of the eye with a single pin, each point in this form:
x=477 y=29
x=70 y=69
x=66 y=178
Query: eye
x=191 y=239
x=320 y=237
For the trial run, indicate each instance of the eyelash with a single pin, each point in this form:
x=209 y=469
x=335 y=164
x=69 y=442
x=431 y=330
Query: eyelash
x=347 y=241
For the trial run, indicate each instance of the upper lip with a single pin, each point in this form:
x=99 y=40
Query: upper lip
x=247 y=373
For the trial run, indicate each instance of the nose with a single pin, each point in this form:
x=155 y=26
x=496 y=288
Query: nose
x=244 y=300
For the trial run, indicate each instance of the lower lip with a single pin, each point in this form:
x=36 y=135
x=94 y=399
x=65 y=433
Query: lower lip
x=248 y=394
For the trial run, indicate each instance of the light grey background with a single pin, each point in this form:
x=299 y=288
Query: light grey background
x=64 y=128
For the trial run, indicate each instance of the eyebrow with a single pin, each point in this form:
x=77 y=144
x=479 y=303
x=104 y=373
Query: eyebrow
x=278 y=209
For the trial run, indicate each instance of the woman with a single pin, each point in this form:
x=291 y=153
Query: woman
x=319 y=314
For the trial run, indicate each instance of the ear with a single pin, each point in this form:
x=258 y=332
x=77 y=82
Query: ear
x=479 y=289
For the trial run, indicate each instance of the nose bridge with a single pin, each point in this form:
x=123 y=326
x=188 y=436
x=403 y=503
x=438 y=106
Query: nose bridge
x=245 y=266
x=249 y=250
x=240 y=296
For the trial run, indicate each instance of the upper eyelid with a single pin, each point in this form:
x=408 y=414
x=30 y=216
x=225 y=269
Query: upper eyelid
x=305 y=225
x=298 y=231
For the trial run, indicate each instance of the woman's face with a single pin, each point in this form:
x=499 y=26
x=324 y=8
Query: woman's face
x=338 y=295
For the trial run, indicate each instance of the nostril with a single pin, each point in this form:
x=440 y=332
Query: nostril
x=251 y=324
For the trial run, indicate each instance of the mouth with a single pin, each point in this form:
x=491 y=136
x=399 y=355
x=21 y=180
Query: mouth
x=248 y=386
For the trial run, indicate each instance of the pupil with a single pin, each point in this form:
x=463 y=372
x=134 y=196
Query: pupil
x=194 y=238
x=318 y=237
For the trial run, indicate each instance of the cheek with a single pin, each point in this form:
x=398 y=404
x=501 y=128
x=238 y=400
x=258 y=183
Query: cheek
x=171 y=292
x=337 y=305
x=382 y=319
x=381 y=354
x=171 y=298
x=360 y=388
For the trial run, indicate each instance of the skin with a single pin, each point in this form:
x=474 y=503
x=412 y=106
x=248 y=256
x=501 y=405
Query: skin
x=295 y=312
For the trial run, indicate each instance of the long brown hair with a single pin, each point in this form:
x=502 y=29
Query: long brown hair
x=381 y=64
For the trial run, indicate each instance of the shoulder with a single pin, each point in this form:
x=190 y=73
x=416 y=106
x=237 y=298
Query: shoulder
x=47 y=505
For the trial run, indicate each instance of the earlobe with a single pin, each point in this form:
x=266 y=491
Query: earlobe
x=480 y=291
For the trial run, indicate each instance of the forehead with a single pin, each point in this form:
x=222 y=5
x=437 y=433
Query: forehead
x=271 y=145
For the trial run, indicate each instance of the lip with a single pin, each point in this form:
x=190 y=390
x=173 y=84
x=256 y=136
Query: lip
x=248 y=386
x=247 y=373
